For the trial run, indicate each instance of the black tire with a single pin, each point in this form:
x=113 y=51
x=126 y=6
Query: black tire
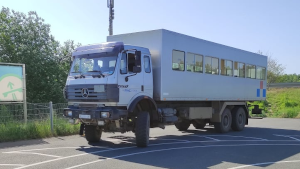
x=238 y=119
x=142 y=128
x=93 y=133
x=182 y=125
x=225 y=125
x=198 y=125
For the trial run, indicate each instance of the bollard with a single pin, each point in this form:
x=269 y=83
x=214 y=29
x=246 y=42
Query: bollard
x=51 y=115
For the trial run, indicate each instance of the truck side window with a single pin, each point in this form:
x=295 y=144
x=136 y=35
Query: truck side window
x=131 y=62
x=226 y=67
x=194 y=62
x=260 y=73
x=123 y=65
x=178 y=60
x=239 y=69
x=147 y=64
x=250 y=71
x=207 y=64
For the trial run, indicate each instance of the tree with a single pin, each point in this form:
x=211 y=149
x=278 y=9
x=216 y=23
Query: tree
x=274 y=69
x=27 y=39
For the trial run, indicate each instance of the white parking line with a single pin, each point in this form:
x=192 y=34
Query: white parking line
x=286 y=136
x=259 y=164
x=132 y=147
x=48 y=155
x=179 y=148
x=204 y=137
x=17 y=165
x=83 y=147
x=239 y=136
x=169 y=139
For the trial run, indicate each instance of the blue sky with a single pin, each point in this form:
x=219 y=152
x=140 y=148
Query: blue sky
x=272 y=26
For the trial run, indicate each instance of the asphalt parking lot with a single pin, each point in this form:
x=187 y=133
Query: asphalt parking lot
x=264 y=143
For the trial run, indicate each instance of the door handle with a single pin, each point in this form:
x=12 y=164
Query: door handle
x=142 y=88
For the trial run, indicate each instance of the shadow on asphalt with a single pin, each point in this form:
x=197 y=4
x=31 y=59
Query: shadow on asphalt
x=211 y=154
x=22 y=143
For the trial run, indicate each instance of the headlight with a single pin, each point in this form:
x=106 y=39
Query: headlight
x=105 y=114
x=69 y=113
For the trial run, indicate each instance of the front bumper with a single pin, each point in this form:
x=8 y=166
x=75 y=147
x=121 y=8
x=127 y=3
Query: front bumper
x=94 y=113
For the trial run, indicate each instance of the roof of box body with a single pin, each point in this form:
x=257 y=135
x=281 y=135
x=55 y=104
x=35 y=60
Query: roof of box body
x=188 y=36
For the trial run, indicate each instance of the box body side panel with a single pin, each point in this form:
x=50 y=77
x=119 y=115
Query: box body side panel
x=188 y=86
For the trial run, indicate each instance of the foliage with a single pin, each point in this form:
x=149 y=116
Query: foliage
x=36 y=129
x=283 y=103
x=289 y=78
x=274 y=69
x=27 y=39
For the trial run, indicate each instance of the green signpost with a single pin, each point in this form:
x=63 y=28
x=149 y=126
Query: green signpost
x=13 y=85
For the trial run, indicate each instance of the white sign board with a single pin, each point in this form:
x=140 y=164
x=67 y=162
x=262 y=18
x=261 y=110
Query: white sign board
x=12 y=84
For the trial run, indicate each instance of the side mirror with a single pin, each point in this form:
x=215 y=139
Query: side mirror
x=136 y=69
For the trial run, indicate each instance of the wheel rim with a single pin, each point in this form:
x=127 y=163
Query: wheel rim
x=226 y=121
x=240 y=119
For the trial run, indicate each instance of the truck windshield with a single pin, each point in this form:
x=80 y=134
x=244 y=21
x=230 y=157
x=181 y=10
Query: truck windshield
x=87 y=64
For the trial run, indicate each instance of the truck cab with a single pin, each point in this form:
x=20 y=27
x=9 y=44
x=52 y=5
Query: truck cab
x=105 y=84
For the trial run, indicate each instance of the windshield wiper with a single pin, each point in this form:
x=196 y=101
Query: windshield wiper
x=80 y=76
x=100 y=73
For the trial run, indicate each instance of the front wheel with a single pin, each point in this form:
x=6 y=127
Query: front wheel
x=225 y=125
x=93 y=133
x=142 y=128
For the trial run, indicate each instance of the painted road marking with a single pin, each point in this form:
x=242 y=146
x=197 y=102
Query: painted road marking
x=204 y=137
x=153 y=138
x=265 y=163
x=48 y=155
x=17 y=165
x=237 y=136
x=132 y=147
x=179 y=148
x=287 y=137
x=41 y=149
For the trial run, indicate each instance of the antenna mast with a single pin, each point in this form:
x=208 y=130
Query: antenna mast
x=110 y=5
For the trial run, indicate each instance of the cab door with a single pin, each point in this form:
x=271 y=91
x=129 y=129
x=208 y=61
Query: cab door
x=130 y=77
x=148 y=75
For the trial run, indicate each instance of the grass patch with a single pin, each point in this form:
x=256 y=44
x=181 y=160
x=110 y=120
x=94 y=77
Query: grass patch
x=281 y=103
x=36 y=129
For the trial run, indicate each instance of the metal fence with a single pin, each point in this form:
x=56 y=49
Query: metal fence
x=284 y=85
x=14 y=113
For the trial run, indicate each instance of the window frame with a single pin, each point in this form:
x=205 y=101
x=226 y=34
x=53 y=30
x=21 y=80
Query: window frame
x=194 y=64
x=179 y=64
x=210 y=64
x=125 y=64
x=238 y=70
x=149 y=64
x=225 y=68
x=264 y=75
x=246 y=71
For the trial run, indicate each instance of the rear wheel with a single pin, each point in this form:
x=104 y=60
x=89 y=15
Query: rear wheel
x=93 y=133
x=142 y=128
x=198 y=125
x=183 y=124
x=238 y=119
x=225 y=124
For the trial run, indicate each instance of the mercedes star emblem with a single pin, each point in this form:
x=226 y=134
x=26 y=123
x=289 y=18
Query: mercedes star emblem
x=85 y=92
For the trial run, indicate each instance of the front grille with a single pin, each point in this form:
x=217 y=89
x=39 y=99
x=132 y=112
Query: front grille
x=111 y=93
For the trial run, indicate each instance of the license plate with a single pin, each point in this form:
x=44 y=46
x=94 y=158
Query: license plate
x=84 y=116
